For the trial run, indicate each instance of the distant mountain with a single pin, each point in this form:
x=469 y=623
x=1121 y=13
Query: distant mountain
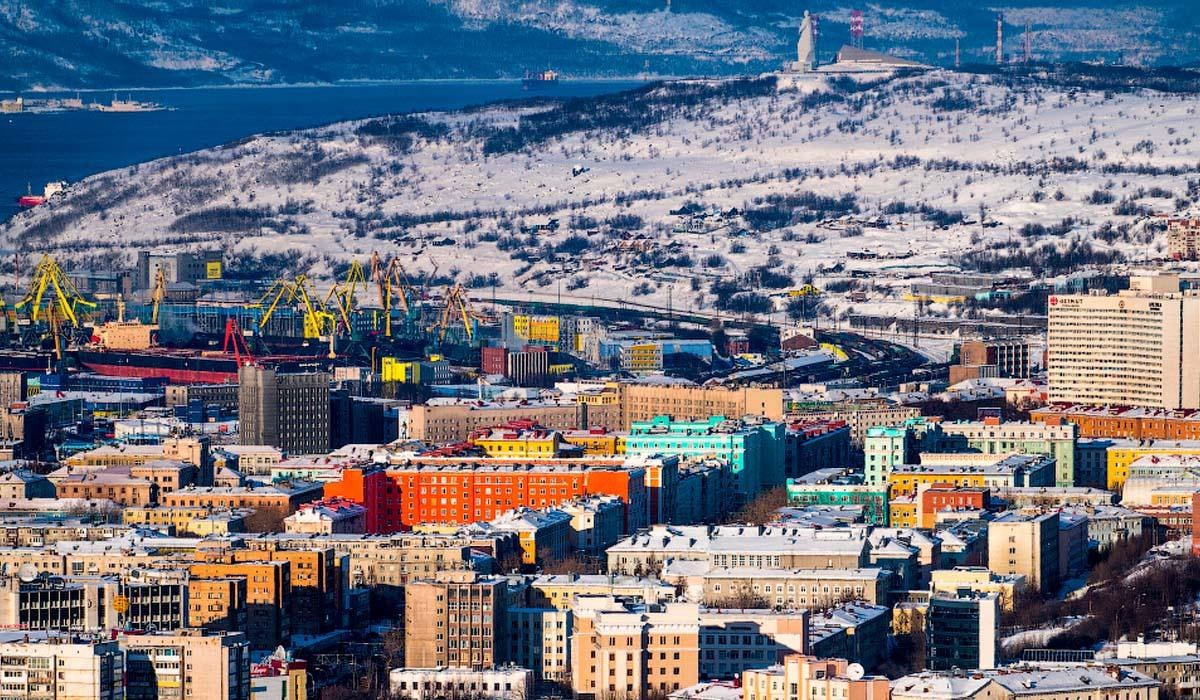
x=114 y=43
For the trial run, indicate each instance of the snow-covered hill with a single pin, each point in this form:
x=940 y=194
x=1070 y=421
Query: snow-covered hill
x=708 y=192
x=116 y=43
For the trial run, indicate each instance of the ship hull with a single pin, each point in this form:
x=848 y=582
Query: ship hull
x=177 y=369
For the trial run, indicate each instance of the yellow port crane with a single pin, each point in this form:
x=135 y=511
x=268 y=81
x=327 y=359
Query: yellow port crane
x=283 y=291
x=393 y=282
x=47 y=276
x=318 y=321
x=456 y=309
x=343 y=296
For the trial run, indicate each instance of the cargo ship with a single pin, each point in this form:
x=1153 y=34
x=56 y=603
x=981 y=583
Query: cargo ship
x=178 y=366
x=541 y=78
x=183 y=366
x=25 y=361
x=29 y=199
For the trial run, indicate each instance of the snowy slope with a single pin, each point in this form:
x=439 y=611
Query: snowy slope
x=910 y=162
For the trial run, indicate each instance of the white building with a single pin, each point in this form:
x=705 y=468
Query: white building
x=597 y=522
x=509 y=683
x=1133 y=348
x=46 y=665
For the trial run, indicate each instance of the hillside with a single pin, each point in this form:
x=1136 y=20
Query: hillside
x=115 y=43
x=715 y=194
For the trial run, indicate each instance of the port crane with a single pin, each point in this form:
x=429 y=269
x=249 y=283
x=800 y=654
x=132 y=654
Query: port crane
x=393 y=283
x=318 y=321
x=282 y=291
x=456 y=309
x=48 y=276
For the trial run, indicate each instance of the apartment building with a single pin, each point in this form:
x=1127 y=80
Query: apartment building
x=451 y=420
x=754 y=448
x=1027 y=545
x=686 y=402
x=787 y=588
x=186 y=663
x=766 y=547
x=803 y=677
x=860 y=416
x=218 y=604
x=288 y=410
x=993 y=436
x=961 y=631
x=1133 y=348
x=1183 y=239
x=37 y=665
x=268 y=592
x=460 y=492
x=978 y=579
x=617 y=652
x=509 y=683
x=597 y=522
x=976 y=470
x=456 y=619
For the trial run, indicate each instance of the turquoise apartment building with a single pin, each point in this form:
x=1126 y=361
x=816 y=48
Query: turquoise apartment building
x=754 y=448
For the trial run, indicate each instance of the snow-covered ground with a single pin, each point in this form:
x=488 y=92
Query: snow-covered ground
x=943 y=141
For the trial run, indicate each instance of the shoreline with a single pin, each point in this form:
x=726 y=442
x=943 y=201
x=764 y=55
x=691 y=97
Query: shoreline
x=50 y=91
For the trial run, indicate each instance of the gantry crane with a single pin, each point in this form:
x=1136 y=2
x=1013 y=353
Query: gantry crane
x=49 y=276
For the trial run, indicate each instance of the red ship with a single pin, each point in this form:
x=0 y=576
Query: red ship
x=29 y=200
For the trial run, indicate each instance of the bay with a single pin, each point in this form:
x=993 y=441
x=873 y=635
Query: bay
x=36 y=148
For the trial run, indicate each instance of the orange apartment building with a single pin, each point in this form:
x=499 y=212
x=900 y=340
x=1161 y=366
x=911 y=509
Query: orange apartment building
x=111 y=485
x=268 y=592
x=313 y=581
x=218 y=603
x=944 y=497
x=641 y=402
x=461 y=492
x=1123 y=422
x=372 y=489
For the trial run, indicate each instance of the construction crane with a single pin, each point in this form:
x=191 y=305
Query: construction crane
x=47 y=276
x=159 y=293
x=456 y=309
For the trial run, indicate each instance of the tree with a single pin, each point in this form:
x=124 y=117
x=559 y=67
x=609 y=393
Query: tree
x=763 y=509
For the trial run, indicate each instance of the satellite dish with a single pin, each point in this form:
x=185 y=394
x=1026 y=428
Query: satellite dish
x=135 y=574
x=855 y=672
x=27 y=573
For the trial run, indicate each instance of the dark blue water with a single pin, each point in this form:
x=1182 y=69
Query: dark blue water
x=39 y=148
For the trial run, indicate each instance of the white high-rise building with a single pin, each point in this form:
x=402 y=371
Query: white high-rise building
x=1139 y=347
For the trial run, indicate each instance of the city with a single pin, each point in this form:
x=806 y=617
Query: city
x=777 y=368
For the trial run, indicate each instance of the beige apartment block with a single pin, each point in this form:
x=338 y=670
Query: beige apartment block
x=1134 y=348
x=187 y=663
x=1026 y=545
x=641 y=402
x=802 y=677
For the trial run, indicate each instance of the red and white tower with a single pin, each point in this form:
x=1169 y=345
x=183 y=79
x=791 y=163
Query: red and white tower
x=856 y=29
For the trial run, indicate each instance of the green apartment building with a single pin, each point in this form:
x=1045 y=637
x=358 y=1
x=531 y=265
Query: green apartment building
x=754 y=448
